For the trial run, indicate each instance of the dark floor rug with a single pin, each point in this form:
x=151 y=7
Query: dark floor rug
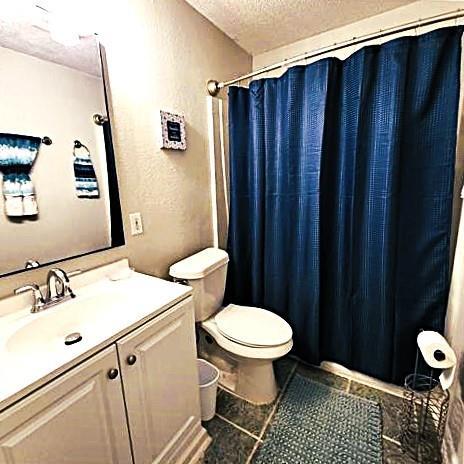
x=317 y=424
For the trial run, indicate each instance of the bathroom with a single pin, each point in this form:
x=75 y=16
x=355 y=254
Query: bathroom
x=135 y=222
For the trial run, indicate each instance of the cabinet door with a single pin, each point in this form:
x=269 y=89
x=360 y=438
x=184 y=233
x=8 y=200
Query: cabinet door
x=161 y=386
x=78 y=418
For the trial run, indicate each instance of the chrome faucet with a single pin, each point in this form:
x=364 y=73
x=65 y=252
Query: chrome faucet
x=58 y=285
x=58 y=290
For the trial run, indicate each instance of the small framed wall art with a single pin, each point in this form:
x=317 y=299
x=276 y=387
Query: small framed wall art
x=173 y=131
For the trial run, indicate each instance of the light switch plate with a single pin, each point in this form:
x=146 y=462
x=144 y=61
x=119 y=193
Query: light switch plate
x=136 y=223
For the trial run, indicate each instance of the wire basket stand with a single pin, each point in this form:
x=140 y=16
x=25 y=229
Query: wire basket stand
x=425 y=416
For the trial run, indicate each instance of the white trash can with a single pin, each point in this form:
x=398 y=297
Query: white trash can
x=208 y=377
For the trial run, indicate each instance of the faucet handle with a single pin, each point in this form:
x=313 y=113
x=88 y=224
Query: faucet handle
x=39 y=301
x=28 y=287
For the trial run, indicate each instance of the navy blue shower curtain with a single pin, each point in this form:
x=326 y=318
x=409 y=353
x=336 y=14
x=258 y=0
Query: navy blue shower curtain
x=341 y=196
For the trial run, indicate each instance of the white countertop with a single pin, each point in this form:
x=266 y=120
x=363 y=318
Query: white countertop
x=32 y=349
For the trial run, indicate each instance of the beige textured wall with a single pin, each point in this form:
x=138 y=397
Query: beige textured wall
x=41 y=106
x=160 y=55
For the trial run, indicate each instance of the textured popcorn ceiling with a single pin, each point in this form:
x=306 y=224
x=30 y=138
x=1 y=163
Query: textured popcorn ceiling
x=32 y=40
x=261 y=25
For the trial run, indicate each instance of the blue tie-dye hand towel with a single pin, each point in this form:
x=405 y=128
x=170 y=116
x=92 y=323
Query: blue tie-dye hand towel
x=84 y=173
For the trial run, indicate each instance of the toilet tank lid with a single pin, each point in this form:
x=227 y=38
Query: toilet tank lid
x=200 y=264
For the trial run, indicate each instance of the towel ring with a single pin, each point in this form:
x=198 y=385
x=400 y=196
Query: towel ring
x=79 y=144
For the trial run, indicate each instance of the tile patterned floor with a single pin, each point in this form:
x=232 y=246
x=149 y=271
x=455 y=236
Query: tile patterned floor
x=239 y=427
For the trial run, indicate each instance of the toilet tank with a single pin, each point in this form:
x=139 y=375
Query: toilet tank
x=206 y=273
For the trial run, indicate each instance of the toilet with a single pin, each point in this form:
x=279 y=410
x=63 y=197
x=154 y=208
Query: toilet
x=251 y=337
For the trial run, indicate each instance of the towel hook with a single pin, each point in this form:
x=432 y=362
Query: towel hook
x=46 y=140
x=78 y=144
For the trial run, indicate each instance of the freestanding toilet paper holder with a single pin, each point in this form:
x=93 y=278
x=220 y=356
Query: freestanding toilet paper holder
x=423 y=421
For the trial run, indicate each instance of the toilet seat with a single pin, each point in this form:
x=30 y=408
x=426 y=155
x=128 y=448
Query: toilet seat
x=244 y=351
x=253 y=327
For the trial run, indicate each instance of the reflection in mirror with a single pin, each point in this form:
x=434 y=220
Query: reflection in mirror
x=59 y=195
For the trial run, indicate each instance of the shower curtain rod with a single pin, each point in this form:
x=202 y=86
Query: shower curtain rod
x=215 y=86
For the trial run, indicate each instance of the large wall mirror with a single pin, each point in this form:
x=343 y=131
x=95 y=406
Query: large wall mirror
x=59 y=195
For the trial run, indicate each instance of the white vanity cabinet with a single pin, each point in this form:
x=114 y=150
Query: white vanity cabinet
x=78 y=418
x=136 y=401
x=159 y=372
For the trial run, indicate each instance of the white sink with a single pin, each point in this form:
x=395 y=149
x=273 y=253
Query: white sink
x=48 y=329
x=32 y=348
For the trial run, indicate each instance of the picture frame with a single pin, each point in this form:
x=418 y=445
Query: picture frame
x=173 y=134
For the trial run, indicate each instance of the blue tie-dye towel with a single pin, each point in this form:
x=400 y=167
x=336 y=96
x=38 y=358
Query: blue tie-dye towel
x=17 y=155
x=84 y=173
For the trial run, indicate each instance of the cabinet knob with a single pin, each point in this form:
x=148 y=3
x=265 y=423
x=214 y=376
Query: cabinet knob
x=113 y=373
x=131 y=359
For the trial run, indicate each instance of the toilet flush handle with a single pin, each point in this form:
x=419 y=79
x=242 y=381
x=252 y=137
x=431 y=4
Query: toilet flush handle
x=180 y=281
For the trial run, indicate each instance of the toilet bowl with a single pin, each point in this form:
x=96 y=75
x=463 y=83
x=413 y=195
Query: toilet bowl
x=252 y=337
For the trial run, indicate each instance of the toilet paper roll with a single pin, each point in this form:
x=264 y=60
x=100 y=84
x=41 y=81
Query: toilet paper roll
x=438 y=354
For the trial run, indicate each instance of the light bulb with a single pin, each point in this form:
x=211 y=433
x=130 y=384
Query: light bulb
x=64 y=35
x=62 y=25
x=17 y=10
